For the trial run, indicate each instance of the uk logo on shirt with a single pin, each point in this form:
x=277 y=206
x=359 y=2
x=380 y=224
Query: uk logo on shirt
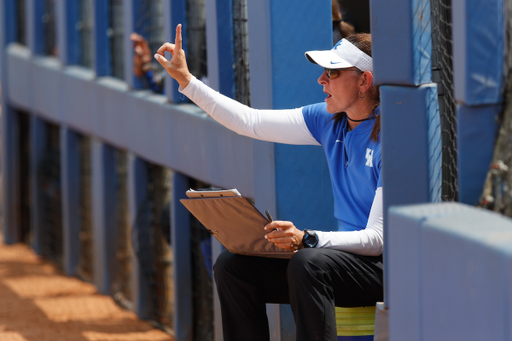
x=369 y=157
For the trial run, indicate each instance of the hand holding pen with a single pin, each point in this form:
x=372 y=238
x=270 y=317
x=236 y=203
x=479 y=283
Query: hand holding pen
x=283 y=234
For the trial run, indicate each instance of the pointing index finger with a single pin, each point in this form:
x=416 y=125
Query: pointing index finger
x=178 y=37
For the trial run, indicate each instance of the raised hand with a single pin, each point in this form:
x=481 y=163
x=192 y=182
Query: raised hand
x=177 y=66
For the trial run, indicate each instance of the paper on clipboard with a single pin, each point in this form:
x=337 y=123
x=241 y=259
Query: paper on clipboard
x=235 y=222
x=213 y=193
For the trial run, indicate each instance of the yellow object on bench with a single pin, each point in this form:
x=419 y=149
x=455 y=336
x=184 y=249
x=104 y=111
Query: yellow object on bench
x=355 y=323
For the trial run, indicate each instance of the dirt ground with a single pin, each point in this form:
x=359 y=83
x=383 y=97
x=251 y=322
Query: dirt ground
x=39 y=304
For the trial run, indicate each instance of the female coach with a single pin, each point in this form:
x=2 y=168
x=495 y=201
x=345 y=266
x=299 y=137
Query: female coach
x=340 y=268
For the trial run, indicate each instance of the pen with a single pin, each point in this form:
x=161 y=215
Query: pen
x=269 y=217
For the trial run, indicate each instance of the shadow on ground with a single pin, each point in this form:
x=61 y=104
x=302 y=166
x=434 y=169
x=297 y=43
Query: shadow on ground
x=39 y=304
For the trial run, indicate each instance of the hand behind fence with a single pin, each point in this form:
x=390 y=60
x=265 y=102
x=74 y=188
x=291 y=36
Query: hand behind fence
x=142 y=55
x=177 y=66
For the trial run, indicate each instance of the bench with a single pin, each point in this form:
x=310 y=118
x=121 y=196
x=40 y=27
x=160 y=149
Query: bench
x=355 y=324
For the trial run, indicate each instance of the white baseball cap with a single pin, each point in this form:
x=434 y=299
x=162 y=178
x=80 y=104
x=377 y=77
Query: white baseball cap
x=343 y=55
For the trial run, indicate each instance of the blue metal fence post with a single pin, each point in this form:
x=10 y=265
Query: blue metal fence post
x=66 y=17
x=10 y=176
x=220 y=55
x=70 y=188
x=60 y=31
x=129 y=19
x=8 y=22
x=100 y=38
x=219 y=46
x=137 y=188
x=10 y=221
x=182 y=266
x=104 y=227
x=34 y=23
x=37 y=143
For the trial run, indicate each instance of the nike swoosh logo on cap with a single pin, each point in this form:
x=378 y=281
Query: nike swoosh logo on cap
x=335 y=62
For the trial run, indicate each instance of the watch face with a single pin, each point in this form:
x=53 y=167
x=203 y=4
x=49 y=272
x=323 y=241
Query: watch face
x=310 y=240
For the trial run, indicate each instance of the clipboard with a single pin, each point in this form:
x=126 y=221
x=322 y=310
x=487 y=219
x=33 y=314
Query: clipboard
x=234 y=221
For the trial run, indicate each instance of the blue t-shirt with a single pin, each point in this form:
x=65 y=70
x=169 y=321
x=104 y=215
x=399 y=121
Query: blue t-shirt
x=354 y=163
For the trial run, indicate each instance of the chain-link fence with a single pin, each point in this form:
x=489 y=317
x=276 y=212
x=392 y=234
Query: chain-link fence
x=116 y=33
x=241 y=52
x=21 y=36
x=442 y=74
x=196 y=38
x=48 y=21
x=50 y=46
x=497 y=191
x=86 y=257
x=202 y=285
x=122 y=277
x=49 y=202
x=150 y=22
x=84 y=28
x=151 y=238
x=150 y=25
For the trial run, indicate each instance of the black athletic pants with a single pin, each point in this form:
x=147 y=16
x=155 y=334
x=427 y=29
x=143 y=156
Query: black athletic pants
x=313 y=282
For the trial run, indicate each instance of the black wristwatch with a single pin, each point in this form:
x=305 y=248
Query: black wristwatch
x=310 y=239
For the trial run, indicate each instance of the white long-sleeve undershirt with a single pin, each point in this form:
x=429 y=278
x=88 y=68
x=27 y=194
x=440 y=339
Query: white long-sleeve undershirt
x=282 y=126
x=368 y=242
x=287 y=126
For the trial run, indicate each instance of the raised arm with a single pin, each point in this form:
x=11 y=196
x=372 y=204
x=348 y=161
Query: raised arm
x=283 y=126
